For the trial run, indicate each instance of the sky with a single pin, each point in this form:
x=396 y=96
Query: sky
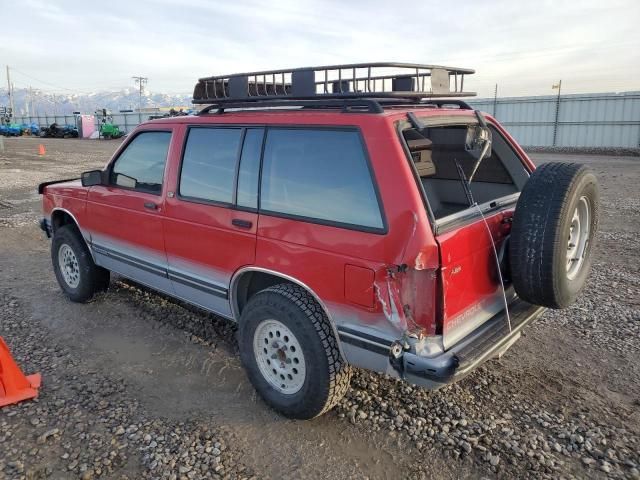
x=523 y=46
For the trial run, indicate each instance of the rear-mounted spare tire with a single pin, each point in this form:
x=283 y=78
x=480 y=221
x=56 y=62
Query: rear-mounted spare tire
x=552 y=236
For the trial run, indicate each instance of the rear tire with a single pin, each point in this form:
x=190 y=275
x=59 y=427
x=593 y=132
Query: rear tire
x=79 y=277
x=290 y=354
x=553 y=234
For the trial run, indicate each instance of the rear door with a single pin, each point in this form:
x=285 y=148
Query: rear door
x=471 y=288
x=211 y=212
x=124 y=218
x=472 y=292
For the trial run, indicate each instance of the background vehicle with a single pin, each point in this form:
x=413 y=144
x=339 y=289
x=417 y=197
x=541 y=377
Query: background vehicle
x=57 y=131
x=343 y=216
x=30 y=129
x=10 y=130
x=108 y=129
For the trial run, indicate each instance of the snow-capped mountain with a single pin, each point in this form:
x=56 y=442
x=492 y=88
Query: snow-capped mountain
x=41 y=102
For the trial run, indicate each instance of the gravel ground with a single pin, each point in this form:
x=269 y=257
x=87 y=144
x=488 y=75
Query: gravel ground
x=136 y=385
x=87 y=425
x=608 y=151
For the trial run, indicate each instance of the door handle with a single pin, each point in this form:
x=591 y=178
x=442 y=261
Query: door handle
x=237 y=222
x=150 y=205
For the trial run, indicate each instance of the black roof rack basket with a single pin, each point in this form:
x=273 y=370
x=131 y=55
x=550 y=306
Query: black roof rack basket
x=382 y=80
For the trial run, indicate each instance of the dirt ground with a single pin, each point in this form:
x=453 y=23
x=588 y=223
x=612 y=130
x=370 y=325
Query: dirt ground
x=136 y=385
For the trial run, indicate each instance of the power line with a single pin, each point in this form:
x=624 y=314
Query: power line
x=108 y=89
x=74 y=90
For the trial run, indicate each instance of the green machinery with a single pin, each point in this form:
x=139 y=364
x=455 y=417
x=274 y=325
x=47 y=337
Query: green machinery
x=108 y=129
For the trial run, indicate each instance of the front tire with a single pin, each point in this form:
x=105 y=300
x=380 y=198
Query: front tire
x=290 y=354
x=78 y=276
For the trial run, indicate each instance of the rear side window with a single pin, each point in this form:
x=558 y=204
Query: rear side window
x=321 y=175
x=209 y=164
x=141 y=165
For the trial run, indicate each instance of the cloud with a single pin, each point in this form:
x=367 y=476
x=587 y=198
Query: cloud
x=522 y=46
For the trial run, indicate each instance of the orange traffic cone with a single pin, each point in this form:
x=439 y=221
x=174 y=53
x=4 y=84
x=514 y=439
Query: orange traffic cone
x=41 y=150
x=14 y=386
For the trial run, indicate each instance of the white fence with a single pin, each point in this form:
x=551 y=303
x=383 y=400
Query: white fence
x=586 y=120
x=125 y=121
x=46 y=120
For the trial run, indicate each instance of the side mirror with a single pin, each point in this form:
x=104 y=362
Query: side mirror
x=92 y=177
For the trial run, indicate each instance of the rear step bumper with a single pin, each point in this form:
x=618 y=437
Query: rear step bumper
x=484 y=343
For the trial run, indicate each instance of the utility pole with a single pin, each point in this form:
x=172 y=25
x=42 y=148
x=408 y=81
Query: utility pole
x=10 y=91
x=141 y=82
x=555 y=123
x=495 y=101
x=32 y=110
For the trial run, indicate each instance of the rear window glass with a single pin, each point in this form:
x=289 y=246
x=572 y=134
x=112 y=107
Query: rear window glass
x=441 y=159
x=209 y=164
x=321 y=175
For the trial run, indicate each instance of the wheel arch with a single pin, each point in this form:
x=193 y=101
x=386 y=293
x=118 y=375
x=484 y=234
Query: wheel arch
x=60 y=217
x=248 y=281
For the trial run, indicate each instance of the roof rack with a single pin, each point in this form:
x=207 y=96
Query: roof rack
x=357 y=81
x=347 y=105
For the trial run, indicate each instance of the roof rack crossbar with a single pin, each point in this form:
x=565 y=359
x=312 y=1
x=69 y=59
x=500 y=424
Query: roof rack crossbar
x=367 y=105
x=461 y=104
x=407 y=80
x=347 y=105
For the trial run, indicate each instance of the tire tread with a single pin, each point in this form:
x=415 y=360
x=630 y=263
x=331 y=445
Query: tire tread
x=93 y=277
x=339 y=372
x=536 y=234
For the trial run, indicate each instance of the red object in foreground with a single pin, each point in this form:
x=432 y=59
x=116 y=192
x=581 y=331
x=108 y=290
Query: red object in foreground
x=14 y=385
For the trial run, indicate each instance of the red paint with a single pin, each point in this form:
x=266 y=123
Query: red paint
x=343 y=267
x=358 y=285
x=121 y=215
x=203 y=234
x=469 y=273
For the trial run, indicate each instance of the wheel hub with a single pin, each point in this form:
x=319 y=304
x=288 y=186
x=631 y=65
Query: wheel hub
x=578 y=239
x=279 y=356
x=68 y=264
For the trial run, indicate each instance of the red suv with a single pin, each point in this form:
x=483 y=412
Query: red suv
x=353 y=215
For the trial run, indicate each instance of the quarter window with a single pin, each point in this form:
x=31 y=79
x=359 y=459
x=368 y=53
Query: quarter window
x=321 y=175
x=141 y=165
x=209 y=164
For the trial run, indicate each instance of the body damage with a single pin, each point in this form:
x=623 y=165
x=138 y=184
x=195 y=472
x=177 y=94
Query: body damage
x=408 y=291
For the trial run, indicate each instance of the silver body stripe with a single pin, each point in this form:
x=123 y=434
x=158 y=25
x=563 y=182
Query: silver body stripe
x=150 y=269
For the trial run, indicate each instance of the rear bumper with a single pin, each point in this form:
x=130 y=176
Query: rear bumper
x=489 y=340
